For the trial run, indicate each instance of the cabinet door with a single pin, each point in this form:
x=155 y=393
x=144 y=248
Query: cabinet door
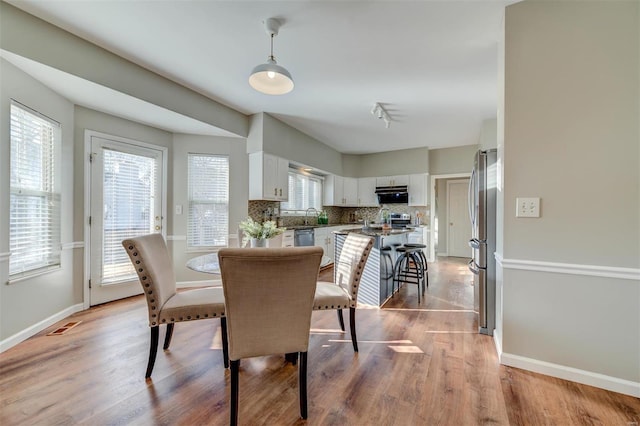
x=366 y=192
x=270 y=177
x=333 y=191
x=350 y=189
x=282 y=179
x=418 y=185
x=398 y=180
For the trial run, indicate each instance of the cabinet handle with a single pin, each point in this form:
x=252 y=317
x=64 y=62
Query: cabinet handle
x=275 y=192
x=281 y=192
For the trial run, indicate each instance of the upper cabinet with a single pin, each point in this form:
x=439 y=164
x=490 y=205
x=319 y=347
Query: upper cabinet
x=366 y=192
x=400 y=180
x=418 y=189
x=340 y=191
x=268 y=177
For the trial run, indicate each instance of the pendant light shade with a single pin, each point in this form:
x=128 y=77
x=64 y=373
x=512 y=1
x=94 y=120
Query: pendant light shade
x=271 y=78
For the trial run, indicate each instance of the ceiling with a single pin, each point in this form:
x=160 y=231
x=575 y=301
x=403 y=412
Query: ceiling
x=431 y=64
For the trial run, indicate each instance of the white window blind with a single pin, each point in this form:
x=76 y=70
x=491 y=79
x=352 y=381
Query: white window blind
x=208 y=222
x=129 y=186
x=305 y=191
x=34 y=201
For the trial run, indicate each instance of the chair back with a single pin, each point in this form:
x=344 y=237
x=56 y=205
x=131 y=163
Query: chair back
x=268 y=298
x=150 y=258
x=350 y=264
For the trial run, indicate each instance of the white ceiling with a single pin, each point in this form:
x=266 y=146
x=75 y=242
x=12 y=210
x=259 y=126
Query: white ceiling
x=432 y=64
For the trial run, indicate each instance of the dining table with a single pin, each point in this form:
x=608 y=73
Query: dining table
x=207 y=263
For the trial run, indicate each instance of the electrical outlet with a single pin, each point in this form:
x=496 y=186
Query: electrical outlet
x=527 y=207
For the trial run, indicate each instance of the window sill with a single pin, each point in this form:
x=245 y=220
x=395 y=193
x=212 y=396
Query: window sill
x=14 y=279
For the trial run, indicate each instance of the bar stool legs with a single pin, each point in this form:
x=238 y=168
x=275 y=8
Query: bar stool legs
x=409 y=269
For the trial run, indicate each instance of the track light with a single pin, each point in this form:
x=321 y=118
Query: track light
x=381 y=113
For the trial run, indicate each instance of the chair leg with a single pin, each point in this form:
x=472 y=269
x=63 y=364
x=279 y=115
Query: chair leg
x=341 y=319
x=302 y=384
x=233 y=416
x=167 y=336
x=225 y=342
x=153 y=350
x=352 y=323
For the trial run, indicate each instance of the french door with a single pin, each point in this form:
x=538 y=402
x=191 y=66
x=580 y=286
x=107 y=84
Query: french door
x=126 y=181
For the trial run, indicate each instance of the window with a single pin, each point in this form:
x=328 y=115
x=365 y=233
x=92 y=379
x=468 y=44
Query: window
x=34 y=200
x=208 y=201
x=305 y=191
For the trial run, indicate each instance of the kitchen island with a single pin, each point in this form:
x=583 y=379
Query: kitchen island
x=376 y=284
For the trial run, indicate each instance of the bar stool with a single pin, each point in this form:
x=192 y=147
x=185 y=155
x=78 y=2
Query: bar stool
x=423 y=261
x=386 y=265
x=408 y=269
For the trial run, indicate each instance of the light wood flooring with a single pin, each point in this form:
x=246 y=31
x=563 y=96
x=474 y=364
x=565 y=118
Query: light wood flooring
x=418 y=365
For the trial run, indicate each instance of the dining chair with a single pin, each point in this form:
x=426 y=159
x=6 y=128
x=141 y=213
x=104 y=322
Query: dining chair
x=348 y=271
x=269 y=298
x=150 y=258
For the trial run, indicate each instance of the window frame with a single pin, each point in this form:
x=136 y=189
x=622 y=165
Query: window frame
x=302 y=212
x=190 y=248
x=51 y=257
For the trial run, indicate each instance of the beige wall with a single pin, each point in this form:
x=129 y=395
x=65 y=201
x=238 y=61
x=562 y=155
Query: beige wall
x=238 y=192
x=570 y=288
x=391 y=163
x=452 y=160
x=24 y=303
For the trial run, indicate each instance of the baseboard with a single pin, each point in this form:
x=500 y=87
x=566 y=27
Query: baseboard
x=497 y=341
x=207 y=283
x=23 y=335
x=613 y=384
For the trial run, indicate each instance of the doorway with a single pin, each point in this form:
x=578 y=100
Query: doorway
x=126 y=181
x=438 y=240
x=458 y=225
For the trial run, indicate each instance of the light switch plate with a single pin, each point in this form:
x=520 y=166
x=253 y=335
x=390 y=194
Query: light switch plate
x=527 y=207
x=178 y=208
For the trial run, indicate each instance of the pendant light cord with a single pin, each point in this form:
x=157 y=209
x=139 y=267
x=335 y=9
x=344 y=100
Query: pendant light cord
x=271 y=56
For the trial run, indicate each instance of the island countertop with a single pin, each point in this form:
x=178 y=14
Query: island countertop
x=374 y=231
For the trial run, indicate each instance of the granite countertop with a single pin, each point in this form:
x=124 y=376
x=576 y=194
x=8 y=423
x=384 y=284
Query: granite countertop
x=315 y=225
x=374 y=232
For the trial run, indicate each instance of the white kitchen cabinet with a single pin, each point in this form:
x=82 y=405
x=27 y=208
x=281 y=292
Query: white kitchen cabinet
x=367 y=192
x=340 y=191
x=350 y=191
x=418 y=189
x=399 y=180
x=268 y=177
x=420 y=235
x=287 y=238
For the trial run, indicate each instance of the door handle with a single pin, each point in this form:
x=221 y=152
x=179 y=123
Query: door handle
x=158 y=227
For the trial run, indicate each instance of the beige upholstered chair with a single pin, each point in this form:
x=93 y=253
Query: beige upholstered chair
x=344 y=292
x=269 y=298
x=153 y=264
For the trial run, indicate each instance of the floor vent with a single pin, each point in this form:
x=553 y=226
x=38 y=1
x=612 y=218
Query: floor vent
x=61 y=330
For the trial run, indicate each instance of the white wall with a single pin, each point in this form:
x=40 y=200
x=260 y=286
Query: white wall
x=26 y=303
x=571 y=278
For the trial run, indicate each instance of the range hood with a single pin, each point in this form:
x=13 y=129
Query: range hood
x=392 y=194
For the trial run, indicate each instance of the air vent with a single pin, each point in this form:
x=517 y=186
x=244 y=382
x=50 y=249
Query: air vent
x=62 y=330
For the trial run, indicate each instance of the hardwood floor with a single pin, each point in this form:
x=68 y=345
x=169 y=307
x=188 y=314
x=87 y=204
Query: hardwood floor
x=418 y=365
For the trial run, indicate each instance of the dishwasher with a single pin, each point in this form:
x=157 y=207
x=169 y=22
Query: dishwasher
x=303 y=237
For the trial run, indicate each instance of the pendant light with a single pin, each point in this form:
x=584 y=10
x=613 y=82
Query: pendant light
x=271 y=78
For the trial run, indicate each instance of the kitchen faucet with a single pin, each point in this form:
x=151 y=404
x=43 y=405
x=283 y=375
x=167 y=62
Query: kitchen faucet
x=306 y=215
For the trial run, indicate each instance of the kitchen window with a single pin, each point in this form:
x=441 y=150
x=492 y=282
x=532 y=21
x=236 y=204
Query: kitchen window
x=34 y=200
x=208 y=187
x=305 y=191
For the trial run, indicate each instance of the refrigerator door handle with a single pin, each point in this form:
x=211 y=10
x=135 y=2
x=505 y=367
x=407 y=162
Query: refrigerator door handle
x=473 y=267
x=470 y=198
x=474 y=243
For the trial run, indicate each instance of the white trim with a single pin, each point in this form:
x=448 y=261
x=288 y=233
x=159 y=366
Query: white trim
x=602 y=381
x=176 y=238
x=217 y=282
x=4 y=256
x=497 y=341
x=23 y=335
x=73 y=245
x=570 y=268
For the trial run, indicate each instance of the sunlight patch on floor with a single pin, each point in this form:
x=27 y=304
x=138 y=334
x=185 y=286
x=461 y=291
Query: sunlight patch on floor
x=407 y=349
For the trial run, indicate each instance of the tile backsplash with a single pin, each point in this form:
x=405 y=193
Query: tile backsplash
x=259 y=211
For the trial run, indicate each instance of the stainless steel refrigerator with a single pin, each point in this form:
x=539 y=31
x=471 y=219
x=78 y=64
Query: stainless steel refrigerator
x=482 y=212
